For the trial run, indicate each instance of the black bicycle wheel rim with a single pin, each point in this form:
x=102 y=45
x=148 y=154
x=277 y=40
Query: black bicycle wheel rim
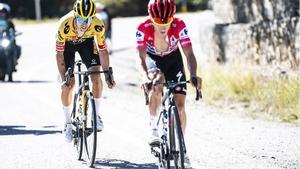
x=178 y=160
x=90 y=132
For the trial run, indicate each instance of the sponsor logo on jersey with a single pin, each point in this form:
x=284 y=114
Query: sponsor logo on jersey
x=67 y=28
x=173 y=40
x=60 y=38
x=99 y=28
x=184 y=33
x=139 y=36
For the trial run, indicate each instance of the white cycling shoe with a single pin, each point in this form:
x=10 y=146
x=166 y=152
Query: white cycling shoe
x=68 y=132
x=154 y=139
x=187 y=162
x=99 y=124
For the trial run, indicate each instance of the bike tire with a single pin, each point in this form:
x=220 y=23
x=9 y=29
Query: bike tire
x=78 y=134
x=90 y=129
x=179 y=140
x=172 y=141
x=165 y=155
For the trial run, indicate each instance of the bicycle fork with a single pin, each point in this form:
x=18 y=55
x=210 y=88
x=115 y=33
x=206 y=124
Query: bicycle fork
x=79 y=117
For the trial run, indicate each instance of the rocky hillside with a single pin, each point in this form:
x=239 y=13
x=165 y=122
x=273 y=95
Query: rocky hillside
x=261 y=32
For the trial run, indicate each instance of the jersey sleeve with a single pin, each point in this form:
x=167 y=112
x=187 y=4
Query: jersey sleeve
x=140 y=37
x=61 y=37
x=99 y=29
x=184 y=38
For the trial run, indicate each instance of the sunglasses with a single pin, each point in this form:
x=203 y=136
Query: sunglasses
x=83 y=20
x=161 y=22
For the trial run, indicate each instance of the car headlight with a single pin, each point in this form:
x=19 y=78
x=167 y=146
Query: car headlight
x=5 y=42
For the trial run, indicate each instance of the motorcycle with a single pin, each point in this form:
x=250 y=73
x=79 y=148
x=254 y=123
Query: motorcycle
x=9 y=51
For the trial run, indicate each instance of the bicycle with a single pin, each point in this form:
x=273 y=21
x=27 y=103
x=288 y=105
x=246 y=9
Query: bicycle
x=83 y=116
x=172 y=145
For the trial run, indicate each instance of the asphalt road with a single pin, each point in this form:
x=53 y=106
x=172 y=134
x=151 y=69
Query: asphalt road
x=31 y=117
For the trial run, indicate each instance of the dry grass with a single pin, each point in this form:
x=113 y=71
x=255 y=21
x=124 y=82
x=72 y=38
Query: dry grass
x=273 y=97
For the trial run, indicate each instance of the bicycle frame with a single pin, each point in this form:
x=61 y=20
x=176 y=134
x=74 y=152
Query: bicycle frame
x=169 y=116
x=82 y=91
x=167 y=104
x=84 y=114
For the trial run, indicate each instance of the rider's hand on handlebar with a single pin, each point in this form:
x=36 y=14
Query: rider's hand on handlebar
x=109 y=78
x=146 y=86
x=196 y=82
x=110 y=81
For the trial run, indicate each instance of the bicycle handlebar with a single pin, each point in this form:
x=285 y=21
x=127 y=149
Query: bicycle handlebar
x=171 y=85
x=69 y=73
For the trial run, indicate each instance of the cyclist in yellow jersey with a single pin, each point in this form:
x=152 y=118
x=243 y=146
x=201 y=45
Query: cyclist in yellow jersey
x=81 y=31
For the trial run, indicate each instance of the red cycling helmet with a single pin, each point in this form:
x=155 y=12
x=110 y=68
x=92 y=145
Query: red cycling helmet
x=161 y=11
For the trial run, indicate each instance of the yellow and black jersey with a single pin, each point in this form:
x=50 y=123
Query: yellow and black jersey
x=66 y=32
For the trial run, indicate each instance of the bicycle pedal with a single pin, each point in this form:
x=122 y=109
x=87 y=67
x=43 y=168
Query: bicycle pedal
x=154 y=144
x=155 y=152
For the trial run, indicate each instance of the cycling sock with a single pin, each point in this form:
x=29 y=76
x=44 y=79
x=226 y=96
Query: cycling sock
x=67 y=111
x=152 y=122
x=97 y=105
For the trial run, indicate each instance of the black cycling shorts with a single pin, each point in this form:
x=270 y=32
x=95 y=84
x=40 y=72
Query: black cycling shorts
x=87 y=51
x=172 y=68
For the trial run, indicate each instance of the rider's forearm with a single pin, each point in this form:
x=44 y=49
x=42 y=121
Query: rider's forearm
x=143 y=66
x=191 y=60
x=192 y=64
x=144 y=71
x=60 y=64
x=104 y=58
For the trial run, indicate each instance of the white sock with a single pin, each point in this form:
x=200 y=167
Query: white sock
x=97 y=105
x=153 y=122
x=67 y=111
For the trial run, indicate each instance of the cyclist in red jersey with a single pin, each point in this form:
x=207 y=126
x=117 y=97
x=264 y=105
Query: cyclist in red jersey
x=161 y=60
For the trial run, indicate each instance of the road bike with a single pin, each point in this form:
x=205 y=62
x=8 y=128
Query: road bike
x=172 y=145
x=83 y=116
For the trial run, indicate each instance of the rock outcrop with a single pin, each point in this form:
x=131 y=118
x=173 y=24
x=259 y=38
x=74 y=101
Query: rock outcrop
x=263 y=32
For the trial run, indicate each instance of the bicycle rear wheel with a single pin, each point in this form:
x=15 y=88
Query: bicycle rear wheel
x=179 y=147
x=90 y=130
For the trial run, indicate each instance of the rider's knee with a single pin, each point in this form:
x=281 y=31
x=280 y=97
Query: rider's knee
x=67 y=89
x=180 y=107
x=157 y=90
x=96 y=81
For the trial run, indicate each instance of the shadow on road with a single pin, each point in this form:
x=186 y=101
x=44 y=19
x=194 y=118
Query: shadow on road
x=121 y=164
x=20 y=130
x=31 y=81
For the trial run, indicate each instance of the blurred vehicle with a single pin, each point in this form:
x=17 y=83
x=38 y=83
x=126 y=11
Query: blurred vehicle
x=9 y=50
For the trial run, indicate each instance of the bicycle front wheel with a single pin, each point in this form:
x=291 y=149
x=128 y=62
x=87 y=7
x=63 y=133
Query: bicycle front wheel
x=78 y=135
x=164 y=157
x=90 y=131
x=179 y=146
